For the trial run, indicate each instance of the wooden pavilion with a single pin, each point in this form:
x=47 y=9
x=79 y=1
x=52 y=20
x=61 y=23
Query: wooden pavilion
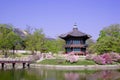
x=75 y=41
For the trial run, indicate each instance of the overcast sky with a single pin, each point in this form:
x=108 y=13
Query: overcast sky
x=58 y=16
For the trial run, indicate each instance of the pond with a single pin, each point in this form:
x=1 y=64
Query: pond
x=43 y=74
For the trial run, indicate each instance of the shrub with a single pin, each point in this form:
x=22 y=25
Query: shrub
x=34 y=57
x=89 y=57
x=70 y=57
x=115 y=56
x=107 y=57
x=71 y=53
x=99 y=60
x=118 y=60
x=49 y=56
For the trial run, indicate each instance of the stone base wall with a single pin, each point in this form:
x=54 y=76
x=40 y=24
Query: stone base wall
x=81 y=67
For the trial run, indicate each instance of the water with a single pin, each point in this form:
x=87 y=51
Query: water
x=42 y=74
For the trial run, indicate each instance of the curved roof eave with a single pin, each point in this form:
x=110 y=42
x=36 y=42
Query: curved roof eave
x=74 y=33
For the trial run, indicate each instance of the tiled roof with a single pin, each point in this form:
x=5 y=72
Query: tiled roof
x=74 y=33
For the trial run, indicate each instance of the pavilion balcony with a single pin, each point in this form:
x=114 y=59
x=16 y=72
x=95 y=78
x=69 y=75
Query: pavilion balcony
x=76 y=45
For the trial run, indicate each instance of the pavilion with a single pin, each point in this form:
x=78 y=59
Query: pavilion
x=75 y=41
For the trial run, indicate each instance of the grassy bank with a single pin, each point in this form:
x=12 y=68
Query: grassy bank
x=64 y=62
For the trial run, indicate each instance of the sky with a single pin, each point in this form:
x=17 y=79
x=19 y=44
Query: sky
x=56 y=17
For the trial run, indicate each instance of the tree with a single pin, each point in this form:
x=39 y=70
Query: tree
x=8 y=38
x=35 y=41
x=54 y=45
x=109 y=39
x=14 y=39
x=4 y=41
x=60 y=44
x=90 y=43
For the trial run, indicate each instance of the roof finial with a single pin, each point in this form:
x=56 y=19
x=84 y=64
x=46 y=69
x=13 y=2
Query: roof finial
x=75 y=25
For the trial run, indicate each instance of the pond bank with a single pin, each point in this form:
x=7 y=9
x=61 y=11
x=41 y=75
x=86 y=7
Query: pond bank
x=77 y=67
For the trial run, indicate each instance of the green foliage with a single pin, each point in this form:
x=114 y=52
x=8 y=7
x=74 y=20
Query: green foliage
x=54 y=46
x=4 y=33
x=13 y=39
x=109 y=40
x=8 y=39
x=90 y=47
x=35 y=41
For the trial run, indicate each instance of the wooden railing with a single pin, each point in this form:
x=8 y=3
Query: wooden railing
x=23 y=61
x=75 y=45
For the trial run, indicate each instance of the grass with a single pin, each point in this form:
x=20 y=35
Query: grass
x=64 y=62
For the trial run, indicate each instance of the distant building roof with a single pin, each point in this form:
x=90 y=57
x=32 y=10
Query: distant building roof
x=74 y=33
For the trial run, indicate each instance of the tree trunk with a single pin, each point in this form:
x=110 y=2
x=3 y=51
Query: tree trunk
x=6 y=54
x=13 y=50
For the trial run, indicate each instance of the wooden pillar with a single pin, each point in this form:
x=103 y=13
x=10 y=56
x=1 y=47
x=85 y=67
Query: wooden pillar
x=28 y=65
x=23 y=65
x=13 y=65
x=2 y=65
x=66 y=50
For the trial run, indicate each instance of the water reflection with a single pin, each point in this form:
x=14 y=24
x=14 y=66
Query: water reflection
x=42 y=74
x=104 y=75
x=78 y=75
x=71 y=76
